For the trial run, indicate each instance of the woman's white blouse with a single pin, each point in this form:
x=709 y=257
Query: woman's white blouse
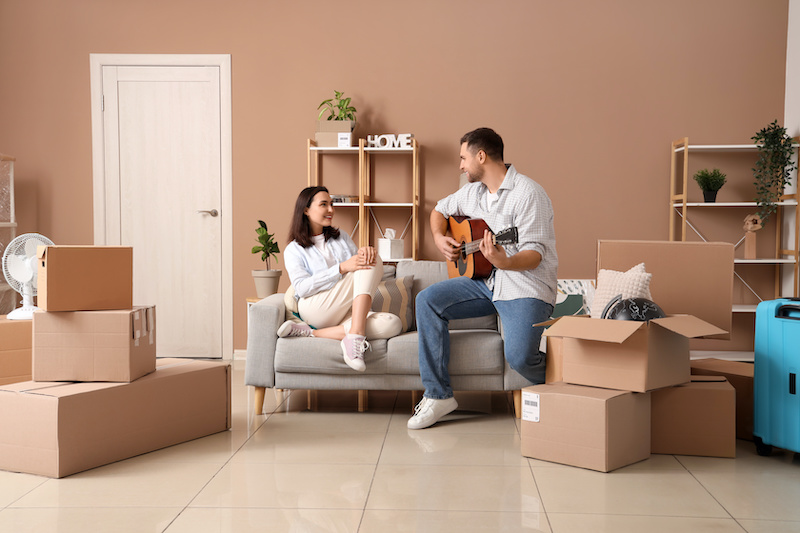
x=308 y=270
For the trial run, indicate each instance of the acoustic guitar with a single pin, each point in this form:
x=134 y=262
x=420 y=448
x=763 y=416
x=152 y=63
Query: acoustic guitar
x=469 y=232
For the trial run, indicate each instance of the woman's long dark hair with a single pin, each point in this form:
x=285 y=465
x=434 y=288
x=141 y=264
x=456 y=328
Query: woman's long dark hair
x=300 y=229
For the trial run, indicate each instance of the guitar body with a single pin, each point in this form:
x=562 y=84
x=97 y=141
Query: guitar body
x=472 y=265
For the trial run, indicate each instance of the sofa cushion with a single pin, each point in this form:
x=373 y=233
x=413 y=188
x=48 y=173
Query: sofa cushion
x=471 y=352
x=426 y=273
x=306 y=355
x=394 y=296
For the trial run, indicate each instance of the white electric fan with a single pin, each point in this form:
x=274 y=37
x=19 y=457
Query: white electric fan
x=20 y=267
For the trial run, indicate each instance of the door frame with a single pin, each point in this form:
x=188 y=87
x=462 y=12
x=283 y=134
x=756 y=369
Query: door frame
x=221 y=61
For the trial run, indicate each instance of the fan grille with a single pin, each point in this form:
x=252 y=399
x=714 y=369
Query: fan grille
x=17 y=260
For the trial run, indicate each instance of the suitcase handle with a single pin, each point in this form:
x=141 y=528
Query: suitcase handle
x=780 y=312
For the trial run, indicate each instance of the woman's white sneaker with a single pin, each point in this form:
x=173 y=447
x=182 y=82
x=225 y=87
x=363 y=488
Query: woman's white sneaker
x=353 y=348
x=429 y=411
x=293 y=329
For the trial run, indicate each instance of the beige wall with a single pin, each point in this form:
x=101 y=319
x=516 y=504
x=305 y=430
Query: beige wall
x=586 y=94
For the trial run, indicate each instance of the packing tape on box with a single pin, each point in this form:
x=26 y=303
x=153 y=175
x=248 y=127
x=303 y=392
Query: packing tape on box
x=136 y=326
x=150 y=313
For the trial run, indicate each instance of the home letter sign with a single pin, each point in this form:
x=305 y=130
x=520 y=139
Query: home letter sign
x=388 y=140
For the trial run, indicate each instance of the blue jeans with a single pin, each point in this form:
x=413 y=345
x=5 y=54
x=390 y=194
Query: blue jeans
x=466 y=298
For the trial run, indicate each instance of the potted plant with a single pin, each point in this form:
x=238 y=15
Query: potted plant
x=710 y=181
x=266 y=280
x=341 y=119
x=773 y=170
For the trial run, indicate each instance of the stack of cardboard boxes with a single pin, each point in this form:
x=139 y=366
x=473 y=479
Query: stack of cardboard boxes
x=618 y=391
x=98 y=393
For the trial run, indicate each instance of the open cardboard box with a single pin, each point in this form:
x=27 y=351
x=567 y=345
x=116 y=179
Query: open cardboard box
x=692 y=281
x=697 y=418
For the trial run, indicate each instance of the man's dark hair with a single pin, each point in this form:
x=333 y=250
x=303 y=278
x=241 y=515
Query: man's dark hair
x=300 y=227
x=487 y=140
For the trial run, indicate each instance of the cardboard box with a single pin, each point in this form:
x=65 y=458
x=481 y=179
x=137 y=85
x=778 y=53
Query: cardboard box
x=94 y=345
x=15 y=350
x=599 y=429
x=85 y=278
x=627 y=355
x=698 y=418
x=740 y=376
x=689 y=278
x=554 y=363
x=58 y=429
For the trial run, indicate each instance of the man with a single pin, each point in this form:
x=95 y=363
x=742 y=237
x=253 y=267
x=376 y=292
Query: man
x=521 y=288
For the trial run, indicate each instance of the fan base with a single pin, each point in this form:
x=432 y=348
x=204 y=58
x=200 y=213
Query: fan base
x=22 y=313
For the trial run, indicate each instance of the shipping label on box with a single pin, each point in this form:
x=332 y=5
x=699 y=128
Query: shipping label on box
x=697 y=418
x=85 y=278
x=15 y=350
x=58 y=429
x=115 y=345
x=530 y=406
x=599 y=429
x=627 y=355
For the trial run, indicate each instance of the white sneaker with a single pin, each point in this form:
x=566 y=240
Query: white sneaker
x=353 y=348
x=429 y=411
x=293 y=329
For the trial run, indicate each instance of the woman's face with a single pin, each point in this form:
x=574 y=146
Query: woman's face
x=320 y=212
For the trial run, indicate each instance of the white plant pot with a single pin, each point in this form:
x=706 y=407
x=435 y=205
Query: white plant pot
x=266 y=282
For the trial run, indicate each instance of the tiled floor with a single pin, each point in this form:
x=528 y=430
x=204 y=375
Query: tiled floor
x=340 y=470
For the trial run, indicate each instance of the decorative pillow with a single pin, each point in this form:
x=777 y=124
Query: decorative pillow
x=394 y=296
x=635 y=283
x=572 y=293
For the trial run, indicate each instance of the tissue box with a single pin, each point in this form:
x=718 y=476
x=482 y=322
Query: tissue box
x=390 y=249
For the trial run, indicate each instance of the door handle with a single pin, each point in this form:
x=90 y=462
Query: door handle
x=212 y=212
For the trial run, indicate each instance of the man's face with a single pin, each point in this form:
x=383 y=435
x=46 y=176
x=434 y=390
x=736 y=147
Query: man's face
x=470 y=164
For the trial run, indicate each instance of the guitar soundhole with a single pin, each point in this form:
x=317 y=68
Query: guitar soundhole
x=461 y=262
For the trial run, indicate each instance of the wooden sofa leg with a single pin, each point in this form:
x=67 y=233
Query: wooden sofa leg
x=415 y=399
x=518 y=403
x=260 y=392
x=363 y=403
x=313 y=404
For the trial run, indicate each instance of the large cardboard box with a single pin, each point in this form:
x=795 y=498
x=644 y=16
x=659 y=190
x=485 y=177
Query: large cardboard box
x=697 y=418
x=15 y=350
x=740 y=376
x=85 y=278
x=58 y=429
x=94 y=345
x=627 y=355
x=599 y=429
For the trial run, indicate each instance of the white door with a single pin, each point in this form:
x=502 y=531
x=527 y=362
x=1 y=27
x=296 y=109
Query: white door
x=164 y=191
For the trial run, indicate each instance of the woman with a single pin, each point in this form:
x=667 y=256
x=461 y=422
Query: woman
x=332 y=281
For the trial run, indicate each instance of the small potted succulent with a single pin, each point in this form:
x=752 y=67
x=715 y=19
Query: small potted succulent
x=341 y=119
x=266 y=280
x=710 y=181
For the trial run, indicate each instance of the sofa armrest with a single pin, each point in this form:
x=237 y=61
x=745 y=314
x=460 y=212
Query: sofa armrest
x=263 y=320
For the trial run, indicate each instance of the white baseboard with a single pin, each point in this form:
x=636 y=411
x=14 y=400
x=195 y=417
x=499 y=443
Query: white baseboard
x=239 y=355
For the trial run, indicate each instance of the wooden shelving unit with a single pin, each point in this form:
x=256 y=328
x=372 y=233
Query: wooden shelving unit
x=366 y=208
x=679 y=210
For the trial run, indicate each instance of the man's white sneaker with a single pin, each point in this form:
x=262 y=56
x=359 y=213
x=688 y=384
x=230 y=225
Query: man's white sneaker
x=429 y=411
x=293 y=329
x=353 y=348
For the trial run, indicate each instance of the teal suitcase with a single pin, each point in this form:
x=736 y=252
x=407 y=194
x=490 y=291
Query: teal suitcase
x=777 y=362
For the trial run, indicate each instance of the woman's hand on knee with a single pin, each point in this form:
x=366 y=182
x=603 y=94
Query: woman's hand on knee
x=367 y=254
x=357 y=262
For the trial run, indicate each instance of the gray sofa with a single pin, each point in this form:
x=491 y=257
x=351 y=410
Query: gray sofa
x=477 y=362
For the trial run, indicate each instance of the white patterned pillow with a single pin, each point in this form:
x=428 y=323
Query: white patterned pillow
x=394 y=296
x=635 y=283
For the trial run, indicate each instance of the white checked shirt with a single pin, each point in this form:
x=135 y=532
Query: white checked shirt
x=522 y=203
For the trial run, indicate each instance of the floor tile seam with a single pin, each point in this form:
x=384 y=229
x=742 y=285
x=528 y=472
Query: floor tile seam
x=377 y=462
x=713 y=497
x=654 y=515
x=541 y=497
x=43 y=481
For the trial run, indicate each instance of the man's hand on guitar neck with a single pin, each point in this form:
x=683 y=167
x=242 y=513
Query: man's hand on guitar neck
x=492 y=252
